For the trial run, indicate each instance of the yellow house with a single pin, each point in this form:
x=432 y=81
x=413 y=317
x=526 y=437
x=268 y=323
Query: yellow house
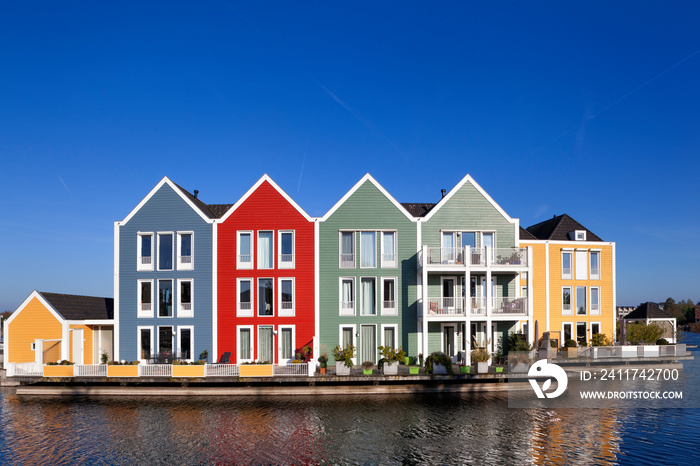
x=573 y=282
x=50 y=327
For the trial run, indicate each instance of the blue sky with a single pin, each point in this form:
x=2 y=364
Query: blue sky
x=585 y=108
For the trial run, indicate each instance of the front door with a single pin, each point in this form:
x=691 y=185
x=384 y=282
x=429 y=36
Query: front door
x=368 y=343
x=78 y=346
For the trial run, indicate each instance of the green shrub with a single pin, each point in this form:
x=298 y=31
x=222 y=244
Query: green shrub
x=344 y=355
x=662 y=341
x=600 y=339
x=438 y=358
x=570 y=344
x=480 y=355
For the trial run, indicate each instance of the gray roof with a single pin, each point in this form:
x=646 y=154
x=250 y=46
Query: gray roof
x=210 y=210
x=74 y=307
x=648 y=311
x=418 y=209
x=525 y=235
x=558 y=229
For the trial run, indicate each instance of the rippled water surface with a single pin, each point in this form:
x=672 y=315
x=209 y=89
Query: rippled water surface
x=426 y=429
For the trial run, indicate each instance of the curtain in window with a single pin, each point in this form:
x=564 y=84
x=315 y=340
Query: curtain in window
x=347 y=291
x=186 y=245
x=265 y=250
x=346 y=243
x=448 y=244
x=369 y=343
x=368 y=297
x=265 y=349
x=389 y=337
x=287 y=343
x=244 y=344
x=347 y=337
x=368 y=251
x=389 y=247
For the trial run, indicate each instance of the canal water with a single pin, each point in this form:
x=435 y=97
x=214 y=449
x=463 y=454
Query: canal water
x=420 y=429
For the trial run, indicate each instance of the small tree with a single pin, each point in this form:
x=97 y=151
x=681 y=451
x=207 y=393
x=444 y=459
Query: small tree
x=518 y=342
x=639 y=333
x=600 y=339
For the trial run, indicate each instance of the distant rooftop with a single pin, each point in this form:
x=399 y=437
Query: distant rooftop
x=558 y=228
x=75 y=307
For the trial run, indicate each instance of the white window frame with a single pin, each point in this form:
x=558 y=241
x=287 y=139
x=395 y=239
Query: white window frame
x=251 y=329
x=279 y=343
x=353 y=310
x=388 y=311
x=579 y=235
x=594 y=311
x=567 y=312
x=174 y=304
x=172 y=249
x=274 y=337
x=594 y=276
x=355 y=338
x=172 y=332
x=590 y=328
x=563 y=332
x=138 y=340
x=375 y=249
x=181 y=311
x=180 y=264
x=376 y=295
x=239 y=263
x=395 y=262
x=396 y=335
x=282 y=264
x=141 y=313
x=245 y=312
x=581 y=264
x=140 y=267
x=178 y=349
x=257 y=290
x=280 y=311
x=272 y=253
x=570 y=274
x=576 y=288
x=341 y=264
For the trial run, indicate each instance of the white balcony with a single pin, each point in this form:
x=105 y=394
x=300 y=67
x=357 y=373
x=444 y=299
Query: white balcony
x=440 y=307
x=473 y=257
x=445 y=307
x=509 y=306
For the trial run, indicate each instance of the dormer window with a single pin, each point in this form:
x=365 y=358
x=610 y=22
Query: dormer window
x=578 y=235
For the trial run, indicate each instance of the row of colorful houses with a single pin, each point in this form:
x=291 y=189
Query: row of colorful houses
x=260 y=280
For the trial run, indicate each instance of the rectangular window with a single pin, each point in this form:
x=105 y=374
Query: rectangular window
x=347 y=336
x=566 y=301
x=595 y=301
x=265 y=297
x=286 y=336
x=368 y=343
x=581 y=265
x=566 y=265
x=389 y=336
x=595 y=265
x=448 y=250
x=165 y=341
x=145 y=342
x=144 y=246
x=389 y=256
x=266 y=343
x=286 y=247
x=266 y=250
x=165 y=251
x=347 y=249
x=567 y=327
x=185 y=343
x=581 y=333
x=581 y=300
x=185 y=307
x=347 y=296
x=165 y=298
x=368 y=296
x=145 y=298
x=245 y=250
x=245 y=297
x=286 y=294
x=245 y=344
x=595 y=328
x=184 y=247
x=368 y=249
x=389 y=305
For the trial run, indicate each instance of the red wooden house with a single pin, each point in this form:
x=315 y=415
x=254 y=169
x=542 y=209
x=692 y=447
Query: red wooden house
x=266 y=278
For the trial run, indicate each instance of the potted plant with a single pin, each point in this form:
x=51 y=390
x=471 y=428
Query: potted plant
x=323 y=362
x=571 y=348
x=343 y=359
x=438 y=363
x=367 y=367
x=389 y=363
x=481 y=358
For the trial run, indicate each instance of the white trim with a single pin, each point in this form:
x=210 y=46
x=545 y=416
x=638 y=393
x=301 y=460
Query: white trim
x=572 y=268
x=172 y=250
x=115 y=285
x=613 y=313
x=184 y=265
x=215 y=293
x=546 y=291
x=581 y=264
x=245 y=265
x=340 y=249
x=340 y=296
x=355 y=339
x=140 y=267
x=281 y=360
x=317 y=325
x=591 y=275
x=286 y=312
x=257 y=291
x=178 y=349
x=173 y=334
x=260 y=327
x=593 y=312
x=242 y=312
x=470 y=180
x=376 y=295
x=455 y=336
x=140 y=313
x=389 y=311
x=375 y=249
x=376 y=340
x=181 y=312
x=585 y=293
x=563 y=333
x=394 y=344
x=571 y=301
x=138 y=341
x=285 y=264
x=389 y=265
x=172 y=305
x=590 y=328
x=251 y=329
x=258 y=250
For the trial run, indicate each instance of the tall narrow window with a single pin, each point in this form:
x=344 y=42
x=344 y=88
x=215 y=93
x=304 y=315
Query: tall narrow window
x=286 y=292
x=245 y=250
x=347 y=249
x=286 y=344
x=265 y=250
x=145 y=290
x=347 y=337
x=369 y=296
x=581 y=300
x=595 y=301
x=389 y=306
x=595 y=265
x=581 y=265
x=488 y=241
x=566 y=265
x=581 y=333
x=286 y=248
x=245 y=344
x=347 y=296
x=368 y=249
x=368 y=343
x=184 y=257
x=265 y=301
x=265 y=344
x=165 y=298
x=566 y=301
x=568 y=331
x=165 y=251
x=469 y=239
x=185 y=308
x=145 y=343
x=245 y=297
x=165 y=341
x=595 y=328
x=390 y=336
x=448 y=252
x=144 y=259
x=389 y=256
x=185 y=342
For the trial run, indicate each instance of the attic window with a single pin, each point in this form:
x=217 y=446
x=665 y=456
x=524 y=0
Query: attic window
x=579 y=235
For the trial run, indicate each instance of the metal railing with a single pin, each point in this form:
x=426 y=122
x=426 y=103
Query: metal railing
x=445 y=306
x=478 y=307
x=146 y=260
x=245 y=260
x=186 y=306
x=185 y=259
x=509 y=256
x=90 y=370
x=287 y=305
x=507 y=305
x=27 y=369
x=286 y=259
x=347 y=261
x=298 y=369
x=221 y=370
x=155 y=370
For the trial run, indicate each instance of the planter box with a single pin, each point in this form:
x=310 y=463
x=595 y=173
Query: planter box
x=482 y=367
x=255 y=370
x=499 y=369
x=341 y=368
x=123 y=371
x=58 y=371
x=439 y=369
x=571 y=352
x=367 y=371
x=188 y=371
x=464 y=369
x=391 y=368
x=414 y=370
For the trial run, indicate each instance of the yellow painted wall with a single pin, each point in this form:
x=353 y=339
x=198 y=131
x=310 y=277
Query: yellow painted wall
x=33 y=322
x=87 y=344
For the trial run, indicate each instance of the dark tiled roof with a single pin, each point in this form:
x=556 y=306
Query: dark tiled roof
x=200 y=205
x=218 y=210
x=73 y=307
x=558 y=229
x=648 y=311
x=525 y=235
x=416 y=209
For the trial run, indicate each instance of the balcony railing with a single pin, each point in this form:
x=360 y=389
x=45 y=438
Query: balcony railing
x=146 y=307
x=186 y=306
x=185 y=259
x=478 y=307
x=155 y=370
x=221 y=370
x=145 y=260
x=286 y=260
x=510 y=306
x=389 y=261
x=347 y=307
x=455 y=306
x=245 y=260
x=347 y=261
x=499 y=257
x=90 y=370
x=287 y=305
x=445 y=306
x=509 y=256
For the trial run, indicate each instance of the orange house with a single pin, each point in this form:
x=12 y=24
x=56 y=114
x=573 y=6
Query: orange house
x=50 y=327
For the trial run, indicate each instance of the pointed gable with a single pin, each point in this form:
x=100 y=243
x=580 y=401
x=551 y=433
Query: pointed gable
x=560 y=228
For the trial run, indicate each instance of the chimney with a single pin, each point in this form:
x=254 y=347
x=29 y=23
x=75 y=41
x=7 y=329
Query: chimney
x=443 y=192
x=196 y=192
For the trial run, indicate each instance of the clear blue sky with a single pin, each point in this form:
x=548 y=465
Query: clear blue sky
x=584 y=108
